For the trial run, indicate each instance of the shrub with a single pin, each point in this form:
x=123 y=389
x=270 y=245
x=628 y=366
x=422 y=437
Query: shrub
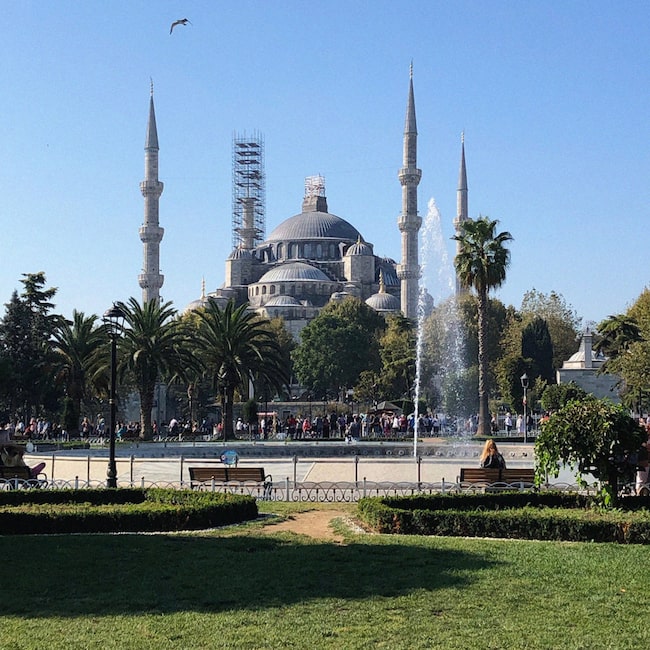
x=123 y=510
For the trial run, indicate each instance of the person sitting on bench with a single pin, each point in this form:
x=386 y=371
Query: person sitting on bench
x=12 y=456
x=491 y=458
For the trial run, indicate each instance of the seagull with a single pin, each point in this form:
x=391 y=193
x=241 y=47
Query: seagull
x=182 y=21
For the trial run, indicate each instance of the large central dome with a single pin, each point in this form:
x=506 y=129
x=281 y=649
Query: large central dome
x=314 y=225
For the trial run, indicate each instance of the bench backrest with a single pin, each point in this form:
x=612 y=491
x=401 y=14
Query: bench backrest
x=518 y=475
x=479 y=474
x=225 y=474
x=217 y=473
x=494 y=475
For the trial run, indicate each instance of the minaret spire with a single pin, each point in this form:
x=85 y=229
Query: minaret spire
x=151 y=233
x=462 y=213
x=409 y=222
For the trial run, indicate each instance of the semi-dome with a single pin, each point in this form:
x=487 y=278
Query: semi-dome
x=282 y=301
x=239 y=254
x=294 y=271
x=314 y=225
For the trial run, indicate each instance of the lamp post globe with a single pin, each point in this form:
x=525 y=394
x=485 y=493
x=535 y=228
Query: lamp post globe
x=113 y=320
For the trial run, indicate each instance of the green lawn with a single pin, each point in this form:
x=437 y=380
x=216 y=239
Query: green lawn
x=239 y=589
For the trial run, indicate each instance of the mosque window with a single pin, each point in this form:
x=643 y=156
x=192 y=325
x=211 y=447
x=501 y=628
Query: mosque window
x=279 y=251
x=257 y=291
x=281 y=289
x=272 y=289
x=264 y=290
x=319 y=251
x=332 y=251
x=307 y=251
x=292 y=251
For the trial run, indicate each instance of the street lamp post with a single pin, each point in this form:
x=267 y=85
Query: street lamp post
x=524 y=385
x=113 y=319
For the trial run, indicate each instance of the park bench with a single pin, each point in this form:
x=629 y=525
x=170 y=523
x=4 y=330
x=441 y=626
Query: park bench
x=21 y=475
x=522 y=477
x=222 y=475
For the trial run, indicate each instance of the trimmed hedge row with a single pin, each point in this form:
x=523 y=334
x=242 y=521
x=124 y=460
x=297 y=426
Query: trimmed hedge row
x=123 y=510
x=542 y=516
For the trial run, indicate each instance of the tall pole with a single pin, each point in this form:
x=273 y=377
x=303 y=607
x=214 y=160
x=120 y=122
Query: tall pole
x=525 y=415
x=111 y=473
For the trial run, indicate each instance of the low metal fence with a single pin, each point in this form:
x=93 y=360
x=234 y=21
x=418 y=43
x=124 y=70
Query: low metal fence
x=297 y=491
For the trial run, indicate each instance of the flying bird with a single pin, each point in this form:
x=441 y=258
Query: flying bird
x=182 y=21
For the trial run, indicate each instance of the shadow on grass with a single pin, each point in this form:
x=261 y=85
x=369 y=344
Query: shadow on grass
x=81 y=575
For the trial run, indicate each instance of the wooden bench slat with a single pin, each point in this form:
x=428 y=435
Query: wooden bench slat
x=492 y=475
x=229 y=474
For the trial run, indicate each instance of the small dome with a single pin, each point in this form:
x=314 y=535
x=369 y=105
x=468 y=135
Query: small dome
x=340 y=296
x=199 y=303
x=282 y=301
x=294 y=271
x=239 y=254
x=359 y=248
x=384 y=302
x=314 y=225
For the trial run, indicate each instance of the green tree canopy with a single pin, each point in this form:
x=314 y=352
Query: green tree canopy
x=564 y=324
x=337 y=345
x=597 y=437
x=556 y=396
x=25 y=333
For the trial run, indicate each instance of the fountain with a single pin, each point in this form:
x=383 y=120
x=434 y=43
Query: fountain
x=437 y=284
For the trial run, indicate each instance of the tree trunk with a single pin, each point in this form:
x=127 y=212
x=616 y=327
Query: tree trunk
x=146 y=405
x=228 y=397
x=484 y=412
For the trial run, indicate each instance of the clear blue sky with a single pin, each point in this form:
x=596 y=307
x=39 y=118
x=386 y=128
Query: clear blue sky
x=552 y=96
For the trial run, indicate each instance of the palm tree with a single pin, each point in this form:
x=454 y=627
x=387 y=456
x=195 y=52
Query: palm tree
x=237 y=347
x=154 y=346
x=481 y=264
x=74 y=346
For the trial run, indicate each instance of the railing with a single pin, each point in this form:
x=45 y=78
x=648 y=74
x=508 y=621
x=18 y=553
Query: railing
x=298 y=491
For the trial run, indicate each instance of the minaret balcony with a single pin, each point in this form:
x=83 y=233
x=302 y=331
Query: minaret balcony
x=151 y=234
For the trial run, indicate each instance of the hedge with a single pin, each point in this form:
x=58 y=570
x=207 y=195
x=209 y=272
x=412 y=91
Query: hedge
x=522 y=515
x=123 y=510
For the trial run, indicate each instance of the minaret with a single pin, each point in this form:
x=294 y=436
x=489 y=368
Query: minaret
x=461 y=204
x=409 y=222
x=150 y=232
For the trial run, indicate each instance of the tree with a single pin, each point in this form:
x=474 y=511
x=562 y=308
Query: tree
x=625 y=339
x=74 y=347
x=481 y=264
x=337 y=345
x=238 y=347
x=537 y=346
x=617 y=333
x=25 y=331
x=556 y=396
x=594 y=435
x=398 y=358
x=563 y=323
x=154 y=346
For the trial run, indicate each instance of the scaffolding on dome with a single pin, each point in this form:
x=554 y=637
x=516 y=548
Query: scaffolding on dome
x=248 y=191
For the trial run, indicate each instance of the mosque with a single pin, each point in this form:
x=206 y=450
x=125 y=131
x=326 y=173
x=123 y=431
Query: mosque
x=310 y=259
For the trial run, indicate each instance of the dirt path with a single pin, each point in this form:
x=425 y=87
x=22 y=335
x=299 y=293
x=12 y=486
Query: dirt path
x=315 y=523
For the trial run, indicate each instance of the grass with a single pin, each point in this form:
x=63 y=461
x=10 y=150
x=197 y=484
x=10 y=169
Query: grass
x=237 y=588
